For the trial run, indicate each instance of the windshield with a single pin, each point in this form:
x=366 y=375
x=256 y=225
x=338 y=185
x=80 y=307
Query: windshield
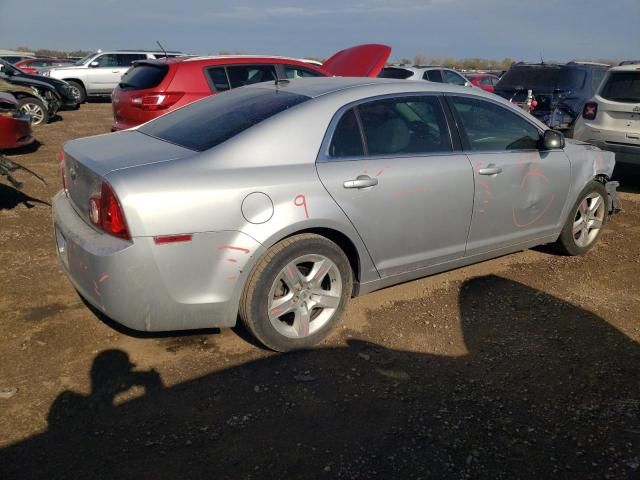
x=545 y=78
x=6 y=67
x=84 y=60
x=213 y=120
x=622 y=87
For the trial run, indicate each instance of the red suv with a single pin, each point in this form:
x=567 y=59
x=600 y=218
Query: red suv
x=154 y=87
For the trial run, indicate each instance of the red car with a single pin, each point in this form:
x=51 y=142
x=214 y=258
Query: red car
x=15 y=127
x=485 y=81
x=31 y=65
x=154 y=87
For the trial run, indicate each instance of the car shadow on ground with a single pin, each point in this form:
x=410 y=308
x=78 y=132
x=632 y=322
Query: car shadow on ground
x=628 y=176
x=27 y=149
x=543 y=392
x=11 y=198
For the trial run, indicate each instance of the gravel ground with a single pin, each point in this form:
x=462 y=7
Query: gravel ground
x=526 y=366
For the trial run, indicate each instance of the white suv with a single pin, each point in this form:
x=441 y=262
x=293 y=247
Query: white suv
x=611 y=119
x=420 y=72
x=99 y=73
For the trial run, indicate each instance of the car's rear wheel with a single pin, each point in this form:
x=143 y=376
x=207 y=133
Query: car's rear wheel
x=586 y=220
x=78 y=91
x=35 y=108
x=297 y=292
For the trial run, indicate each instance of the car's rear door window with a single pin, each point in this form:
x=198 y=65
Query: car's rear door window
x=491 y=128
x=126 y=59
x=293 y=71
x=397 y=73
x=433 y=76
x=143 y=76
x=347 y=137
x=622 y=87
x=240 y=75
x=218 y=79
x=215 y=119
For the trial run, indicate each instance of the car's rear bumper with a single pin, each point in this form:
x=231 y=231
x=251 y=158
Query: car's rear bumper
x=627 y=149
x=15 y=133
x=151 y=287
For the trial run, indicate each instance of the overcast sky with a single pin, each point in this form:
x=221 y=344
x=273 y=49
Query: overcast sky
x=522 y=30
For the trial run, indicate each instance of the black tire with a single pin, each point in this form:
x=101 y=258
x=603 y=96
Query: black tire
x=254 y=304
x=79 y=91
x=31 y=105
x=567 y=243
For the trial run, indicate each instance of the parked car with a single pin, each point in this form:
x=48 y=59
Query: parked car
x=485 y=81
x=154 y=87
x=560 y=91
x=34 y=66
x=98 y=73
x=279 y=201
x=611 y=120
x=430 y=73
x=55 y=94
x=15 y=126
x=13 y=58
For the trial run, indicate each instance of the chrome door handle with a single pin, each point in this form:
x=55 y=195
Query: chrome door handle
x=490 y=169
x=362 y=181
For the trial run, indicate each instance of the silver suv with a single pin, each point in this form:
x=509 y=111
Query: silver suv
x=420 y=72
x=98 y=73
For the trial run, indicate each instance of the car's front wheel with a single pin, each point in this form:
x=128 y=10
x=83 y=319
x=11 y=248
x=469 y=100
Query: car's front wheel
x=78 y=91
x=586 y=220
x=297 y=292
x=35 y=108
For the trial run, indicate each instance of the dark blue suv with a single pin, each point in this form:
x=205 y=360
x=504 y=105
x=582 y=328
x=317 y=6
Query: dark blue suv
x=560 y=90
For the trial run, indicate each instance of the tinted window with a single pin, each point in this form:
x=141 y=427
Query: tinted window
x=291 y=71
x=545 y=78
x=433 y=76
x=39 y=63
x=596 y=79
x=144 y=76
x=454 y=78
x=398 y=73
x=404 y=126
x=107 y=60
x=126 y=59
x=240 y=75
x=215 y=119
x=490 y=127
x=218 y=78
x=622 y=87
x=347 y=141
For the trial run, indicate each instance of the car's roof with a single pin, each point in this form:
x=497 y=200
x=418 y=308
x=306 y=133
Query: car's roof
x=362 y=86
x=213 y=59
x=626 y=68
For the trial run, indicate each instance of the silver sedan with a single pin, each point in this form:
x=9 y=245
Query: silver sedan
x=276 y=203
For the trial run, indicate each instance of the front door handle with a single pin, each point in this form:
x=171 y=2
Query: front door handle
x=490 y=169
x=363 y=181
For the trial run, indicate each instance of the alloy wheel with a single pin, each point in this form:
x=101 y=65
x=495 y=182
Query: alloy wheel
x=589 y=219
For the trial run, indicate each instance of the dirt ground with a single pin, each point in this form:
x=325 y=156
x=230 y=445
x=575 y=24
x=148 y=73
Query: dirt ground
x=527 y=366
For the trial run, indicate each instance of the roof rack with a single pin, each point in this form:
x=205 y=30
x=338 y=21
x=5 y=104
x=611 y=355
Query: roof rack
x=145 y=51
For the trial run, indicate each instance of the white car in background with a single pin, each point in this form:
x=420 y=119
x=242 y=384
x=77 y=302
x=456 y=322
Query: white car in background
x=611 y=119
x=430 y=73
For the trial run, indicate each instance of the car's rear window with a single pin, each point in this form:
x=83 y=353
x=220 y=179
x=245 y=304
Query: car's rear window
x=398 y=73
x=542 y=78
x=622 y=87
x=143 y=76
x=213 y=120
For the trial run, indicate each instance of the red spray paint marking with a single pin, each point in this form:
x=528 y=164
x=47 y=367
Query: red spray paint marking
x=231 y=247
x=301 y=201
x=96 y=289
x=232 y=278
x=536 y=218
x=103 y=278
x=379 y=174
x=534 y=172
x=232 y=260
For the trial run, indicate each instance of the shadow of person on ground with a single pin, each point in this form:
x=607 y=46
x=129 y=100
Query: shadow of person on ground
x=11 y=198
x=546 y=390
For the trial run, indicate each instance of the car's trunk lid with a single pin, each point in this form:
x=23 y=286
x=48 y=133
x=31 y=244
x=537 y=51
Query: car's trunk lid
x=360 y=61
x=89 y=160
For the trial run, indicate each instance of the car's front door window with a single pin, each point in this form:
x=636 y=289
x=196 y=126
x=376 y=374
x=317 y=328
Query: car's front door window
x=126 y=59
x=107 y=60
x=490 y=127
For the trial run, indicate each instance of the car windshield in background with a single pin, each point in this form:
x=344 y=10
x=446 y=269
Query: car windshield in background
x=209 y=122
x=543 y=78
x=83 y=60
x=622 y=87
x=143 y=76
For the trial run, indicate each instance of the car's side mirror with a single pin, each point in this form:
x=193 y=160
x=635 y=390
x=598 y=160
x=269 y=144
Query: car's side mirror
x=552 y=140
x=468 y=84
x=94 y=64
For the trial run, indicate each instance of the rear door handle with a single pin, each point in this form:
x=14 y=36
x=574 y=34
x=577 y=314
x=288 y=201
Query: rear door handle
x=362 y=181
x=490 y=169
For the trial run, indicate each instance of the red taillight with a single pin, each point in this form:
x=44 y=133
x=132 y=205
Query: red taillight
x=61 y=165
x=105 y=212
x=155 y=101
x=590 y=110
